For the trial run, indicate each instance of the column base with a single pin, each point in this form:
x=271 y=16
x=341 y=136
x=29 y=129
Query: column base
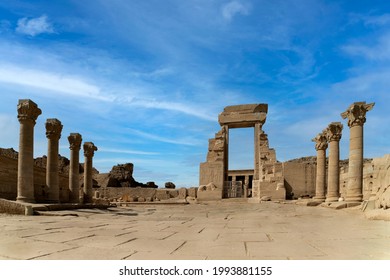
x=354 y=198
x=319 y=198
x=24 y=199
x=332 y=199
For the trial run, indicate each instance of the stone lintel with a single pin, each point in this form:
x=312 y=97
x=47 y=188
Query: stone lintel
x=89 y=149
x=334 y=131
x=28 y=110
x=356 y=113
x=241 y=116
x=53 y=129
x=75 y=140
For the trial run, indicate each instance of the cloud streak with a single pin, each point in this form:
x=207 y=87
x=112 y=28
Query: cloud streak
x=156 y=137
x=50 y=81
x=234 y=8
x=34 y=26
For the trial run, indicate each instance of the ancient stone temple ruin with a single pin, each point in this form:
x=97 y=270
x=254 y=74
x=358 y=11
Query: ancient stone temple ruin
x=267 y=175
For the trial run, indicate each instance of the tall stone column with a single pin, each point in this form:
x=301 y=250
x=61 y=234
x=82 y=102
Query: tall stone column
x=89 y=151
x=246 y=184
x=321 y=146
x=53 y=134
x=28 y=113
x=334 y=135
x=356 y=114
x=75 y=140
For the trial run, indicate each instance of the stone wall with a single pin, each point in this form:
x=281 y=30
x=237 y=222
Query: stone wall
x=8 y=181
x=145 y=194
x=299 y=178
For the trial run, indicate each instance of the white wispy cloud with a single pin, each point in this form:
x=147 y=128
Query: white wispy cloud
x=379 y=50
x=370 y=20
x=34 y=26
x=233 y=8
x=126 y=151
x=50 y=81
x=173 y=106
x=155 y=137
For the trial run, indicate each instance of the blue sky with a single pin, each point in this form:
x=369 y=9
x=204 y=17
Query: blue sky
x=145 y=80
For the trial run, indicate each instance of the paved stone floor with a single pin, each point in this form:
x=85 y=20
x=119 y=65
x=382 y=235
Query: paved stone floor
x=223 y=230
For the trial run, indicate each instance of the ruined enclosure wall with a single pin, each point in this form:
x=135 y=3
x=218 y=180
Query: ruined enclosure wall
x=369 y=173
x=300 y=178
x=8 y=181
x=147 y=194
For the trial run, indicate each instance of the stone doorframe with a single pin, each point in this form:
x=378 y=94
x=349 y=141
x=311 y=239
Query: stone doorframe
x=215 y=169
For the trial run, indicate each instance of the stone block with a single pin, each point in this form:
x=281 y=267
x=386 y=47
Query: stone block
x=182 y=193
x=162 y=194
x=209 y=192
x=193 y=192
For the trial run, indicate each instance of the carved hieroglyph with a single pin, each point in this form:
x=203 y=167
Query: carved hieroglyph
x=356 y=114
x=75 y=140
x=89 y=151
x=53 y=134
x=28 y=113
x=333 y=133
x=321 y=146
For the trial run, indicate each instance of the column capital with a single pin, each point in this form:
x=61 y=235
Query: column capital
x=75 y=140
x=356 y=113
x=53 y=129
x=28 y=110
x=333 y=131
x=321 y=141
x=89 y=149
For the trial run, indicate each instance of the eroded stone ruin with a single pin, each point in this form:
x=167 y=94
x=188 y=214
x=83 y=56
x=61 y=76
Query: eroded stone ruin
x=267 y=176
x=327 y=180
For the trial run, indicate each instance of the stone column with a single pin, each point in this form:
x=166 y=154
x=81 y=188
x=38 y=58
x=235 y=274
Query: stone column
x=246 y=184
x=356 y=114
x=28 y=113
x=74 y=180
x=321 y=146
x=89 y=151
x=53 y=134
x=333 y=135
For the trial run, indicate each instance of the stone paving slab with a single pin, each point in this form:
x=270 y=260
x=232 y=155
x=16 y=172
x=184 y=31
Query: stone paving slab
x=221 y=230
x=89 y=253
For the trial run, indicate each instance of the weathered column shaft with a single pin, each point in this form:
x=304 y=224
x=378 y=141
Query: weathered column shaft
x=26 y=162
x=333 y=172
x=53 y=133
x=28 y=112
x=52 y=179
x=355 y=167
x=89 y=149
x=246 y=183
x=356 y=114
x=88 y=179
x=74 y=178
x=334 y=135
x=321 y=175
x=321 y=146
